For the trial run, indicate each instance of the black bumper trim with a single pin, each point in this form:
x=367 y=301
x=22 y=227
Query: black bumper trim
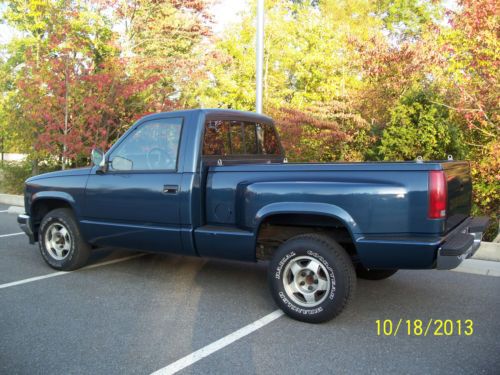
x=24 y=222
x=457 y=245
x=478 y=224
x=462 y=243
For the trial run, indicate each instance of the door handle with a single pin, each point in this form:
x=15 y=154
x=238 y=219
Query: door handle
x=170 y=189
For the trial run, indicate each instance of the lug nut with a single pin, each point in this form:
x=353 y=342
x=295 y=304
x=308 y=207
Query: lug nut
x=302 y=283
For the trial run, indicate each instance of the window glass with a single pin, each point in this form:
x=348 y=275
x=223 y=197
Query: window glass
x=216 y=140
x=224 y=138
x=152 y=146
x=236 y=138
x=250 y=138
x=267 y=140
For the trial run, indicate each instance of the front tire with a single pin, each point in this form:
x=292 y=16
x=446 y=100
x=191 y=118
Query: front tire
x=311 y=278
x=61 y=244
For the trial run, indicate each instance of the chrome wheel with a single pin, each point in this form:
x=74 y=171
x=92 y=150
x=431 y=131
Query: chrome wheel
x=306 y=281
x=57 y=241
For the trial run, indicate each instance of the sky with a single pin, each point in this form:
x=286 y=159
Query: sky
x=226 y=13
x=5 y=32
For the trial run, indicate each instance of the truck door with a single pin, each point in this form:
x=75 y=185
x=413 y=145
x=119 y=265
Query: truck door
x=136 y=202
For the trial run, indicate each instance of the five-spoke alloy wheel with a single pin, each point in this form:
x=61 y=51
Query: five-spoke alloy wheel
x=57 y=241
x=306 y=281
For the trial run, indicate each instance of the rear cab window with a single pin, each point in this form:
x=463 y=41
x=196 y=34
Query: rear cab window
x=231 y=140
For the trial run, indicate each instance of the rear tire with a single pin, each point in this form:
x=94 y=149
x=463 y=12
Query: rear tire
x=61 y=244
x=367 y=274
x=312 y=278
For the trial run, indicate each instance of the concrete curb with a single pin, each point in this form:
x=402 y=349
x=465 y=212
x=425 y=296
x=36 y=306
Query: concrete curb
x=488 y=251
x=15 y=200
x=15 y=210
x=479 y=267
x=497 y=240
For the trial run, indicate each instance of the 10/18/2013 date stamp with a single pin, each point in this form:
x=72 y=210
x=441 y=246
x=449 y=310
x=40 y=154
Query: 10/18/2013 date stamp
x=430 y=327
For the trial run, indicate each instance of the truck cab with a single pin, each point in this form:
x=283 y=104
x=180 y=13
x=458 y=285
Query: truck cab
x=149 y=192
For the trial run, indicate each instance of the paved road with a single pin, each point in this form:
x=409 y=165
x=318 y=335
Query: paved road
x=140 y=315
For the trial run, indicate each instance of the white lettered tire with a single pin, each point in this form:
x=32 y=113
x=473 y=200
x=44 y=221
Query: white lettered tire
x=311 y=278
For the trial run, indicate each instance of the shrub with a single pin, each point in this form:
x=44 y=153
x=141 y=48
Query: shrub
x=13 y=176
x=419 y=126
x=15 y=173
x=485 y=170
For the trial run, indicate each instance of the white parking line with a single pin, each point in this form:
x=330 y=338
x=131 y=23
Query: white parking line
x=31 y=279
x=4 y=211
x=217 y=345
x=11 y=234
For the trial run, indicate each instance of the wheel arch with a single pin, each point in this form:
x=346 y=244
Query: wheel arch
x=294 y=218
x=44 y=202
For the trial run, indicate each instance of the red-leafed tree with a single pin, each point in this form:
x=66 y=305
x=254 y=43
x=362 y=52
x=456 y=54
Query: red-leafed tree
x=323 y=132
x=78 y=83
x=67 y=52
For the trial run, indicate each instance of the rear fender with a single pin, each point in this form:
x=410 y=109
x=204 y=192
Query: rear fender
x=311 y=208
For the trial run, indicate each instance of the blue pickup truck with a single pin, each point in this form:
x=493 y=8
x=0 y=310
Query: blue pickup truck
x=216 y=183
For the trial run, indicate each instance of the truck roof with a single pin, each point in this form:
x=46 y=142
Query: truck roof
x=213 y=113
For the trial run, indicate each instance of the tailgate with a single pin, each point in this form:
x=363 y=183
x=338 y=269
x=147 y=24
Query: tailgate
x=459 y=185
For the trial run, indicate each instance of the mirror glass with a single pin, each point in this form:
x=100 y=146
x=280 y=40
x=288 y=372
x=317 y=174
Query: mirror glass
x=121 y=164
x=97 y=157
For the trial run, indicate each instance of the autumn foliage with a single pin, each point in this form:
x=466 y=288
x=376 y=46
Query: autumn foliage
x=345 y=80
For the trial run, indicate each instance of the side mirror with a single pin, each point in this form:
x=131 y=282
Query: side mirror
x=98 y=159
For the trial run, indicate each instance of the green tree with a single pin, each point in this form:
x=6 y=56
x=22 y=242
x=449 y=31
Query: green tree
x=164 y=44
x=406 y=19
x=420 y=127
x=310 y=73
x=307 y=57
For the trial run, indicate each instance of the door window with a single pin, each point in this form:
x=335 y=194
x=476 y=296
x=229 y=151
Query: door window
x=152 y=146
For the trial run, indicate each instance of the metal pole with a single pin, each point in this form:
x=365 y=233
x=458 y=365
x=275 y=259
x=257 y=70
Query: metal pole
x=260 y=55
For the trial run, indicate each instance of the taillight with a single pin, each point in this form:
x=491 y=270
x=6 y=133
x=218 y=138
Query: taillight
x=437 y=195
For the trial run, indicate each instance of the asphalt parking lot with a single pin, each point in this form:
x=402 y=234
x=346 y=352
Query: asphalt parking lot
x=142 y=314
